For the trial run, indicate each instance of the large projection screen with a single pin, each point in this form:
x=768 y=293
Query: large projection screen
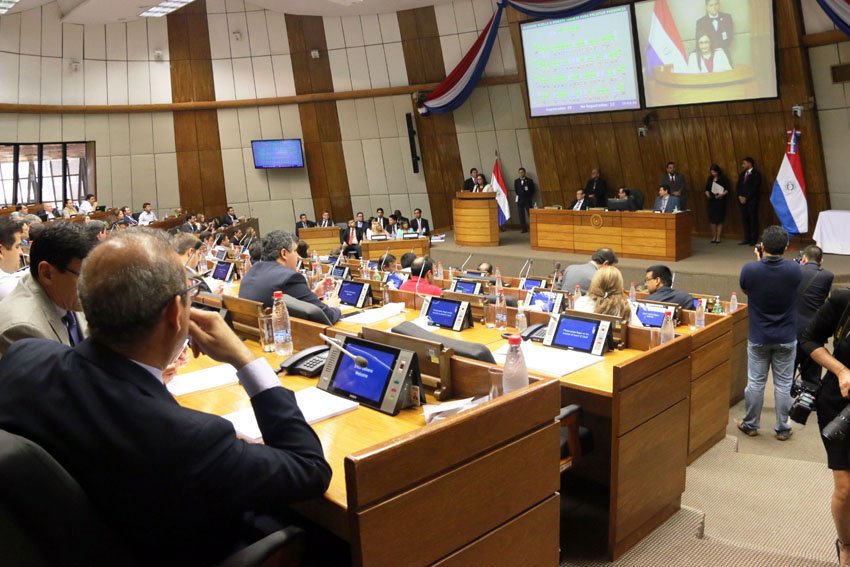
x=698 y=51
x=581 y=64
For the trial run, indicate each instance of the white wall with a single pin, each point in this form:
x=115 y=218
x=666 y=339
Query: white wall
x=136 y=159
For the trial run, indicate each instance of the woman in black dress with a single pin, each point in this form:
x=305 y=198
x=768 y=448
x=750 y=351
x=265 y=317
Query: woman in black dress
x=716 y=200
x=833 y=319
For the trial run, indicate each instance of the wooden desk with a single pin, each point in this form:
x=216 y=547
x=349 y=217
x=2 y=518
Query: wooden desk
x=374 y=249
x=321 y=239
x=477 y=488
x=476 y=221
x=638 y=234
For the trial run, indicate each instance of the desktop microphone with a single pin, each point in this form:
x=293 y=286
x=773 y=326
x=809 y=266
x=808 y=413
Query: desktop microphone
x=358 y=360
x=217 y=238
x=422 y=269
x=521 y=270
x=530 y=265
x=555 y=274
x=384 y=259
x=468 y=258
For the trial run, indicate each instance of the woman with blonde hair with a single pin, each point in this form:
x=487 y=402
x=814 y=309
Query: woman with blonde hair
x=605 y=296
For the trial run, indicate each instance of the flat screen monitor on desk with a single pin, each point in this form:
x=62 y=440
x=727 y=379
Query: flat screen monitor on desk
x=447 y=313
x=548 y=301
x=223 y=271
x=396 y=279
x=618 y=205
x=529 y=284
x=465 y=286
x=373 y=264
x=575 y=333
x=651 y=313
x=340 y=272
x=354 y=293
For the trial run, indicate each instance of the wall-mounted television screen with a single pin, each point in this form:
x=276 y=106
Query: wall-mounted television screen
x=585 y=63
x=703 y=51
x=270 y=154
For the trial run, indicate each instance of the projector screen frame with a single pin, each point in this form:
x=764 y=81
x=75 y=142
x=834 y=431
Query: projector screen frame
x=635 y=62
x=639 y=56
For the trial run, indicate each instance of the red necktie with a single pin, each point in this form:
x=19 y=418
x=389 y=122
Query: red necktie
x=351 y=236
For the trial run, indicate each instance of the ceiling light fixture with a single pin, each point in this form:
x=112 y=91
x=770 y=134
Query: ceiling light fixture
x=161 y=9
x=6 y=5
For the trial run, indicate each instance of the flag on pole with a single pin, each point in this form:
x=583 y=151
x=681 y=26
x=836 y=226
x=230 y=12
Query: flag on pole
x=665 y=46
x=788 y=196
x=501 y=194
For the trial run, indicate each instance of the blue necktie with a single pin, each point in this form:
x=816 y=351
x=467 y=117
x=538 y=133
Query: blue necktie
x=70 y=321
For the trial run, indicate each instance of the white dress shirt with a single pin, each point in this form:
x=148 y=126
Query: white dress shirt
x=86 y=208
x=145 y=218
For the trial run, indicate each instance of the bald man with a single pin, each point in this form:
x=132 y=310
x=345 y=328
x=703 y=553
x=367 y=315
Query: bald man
x=174 y=484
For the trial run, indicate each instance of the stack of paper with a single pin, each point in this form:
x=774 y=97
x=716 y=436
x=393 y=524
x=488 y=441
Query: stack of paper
x=316 y=405
x=550 y=360
x=371 y=316
x=214 y=377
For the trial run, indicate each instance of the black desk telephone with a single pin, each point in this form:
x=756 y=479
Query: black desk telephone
x=309 y=362
x=535 y=333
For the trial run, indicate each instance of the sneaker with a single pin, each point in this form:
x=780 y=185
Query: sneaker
x=784 y=435
x=746 y=430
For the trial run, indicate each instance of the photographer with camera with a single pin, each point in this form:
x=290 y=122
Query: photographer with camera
x=833 y=319
x=771 y=286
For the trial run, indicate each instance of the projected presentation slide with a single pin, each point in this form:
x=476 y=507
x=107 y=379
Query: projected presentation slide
x=581 y=64
x=697 y=51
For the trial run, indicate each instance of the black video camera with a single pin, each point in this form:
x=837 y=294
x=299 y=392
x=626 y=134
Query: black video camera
x=805 y=394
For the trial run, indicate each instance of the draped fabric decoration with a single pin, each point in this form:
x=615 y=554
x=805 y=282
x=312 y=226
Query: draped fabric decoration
x=839 y=12
x=456 y=88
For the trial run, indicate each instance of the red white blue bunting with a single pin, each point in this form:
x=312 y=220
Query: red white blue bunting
x=839 y=13
x=456 y=88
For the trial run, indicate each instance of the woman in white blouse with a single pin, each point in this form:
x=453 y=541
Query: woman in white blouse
x=481 y=185
x=605 y=296
x=707 y=60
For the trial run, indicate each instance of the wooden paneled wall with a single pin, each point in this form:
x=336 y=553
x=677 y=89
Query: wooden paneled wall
x=200 y=171
x=566 y=148
x=423 y=57
x=319 y=121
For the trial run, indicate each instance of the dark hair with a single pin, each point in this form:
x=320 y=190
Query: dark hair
x=302 y=215
x=359 y=213
x=751 y=160
x=580 y=189
x=475 y=169
x=665 y=187
x=521 y=169
x=626 y=191
x=20 y=206
x=8 y=230
x=93 y=228
x=407 y=259
x=303 y=249
x=255 y=250
x=58 y=245
x=417 y=209
x=379 y=209
x=663 y=272
x=669 y=163
x=775 y=239
x=89 y=196
x=385 y=259
x=603 y=255
x=145 y=205
x=394 y=217
x=813 y=253
x=422 y=265
x=715 y=167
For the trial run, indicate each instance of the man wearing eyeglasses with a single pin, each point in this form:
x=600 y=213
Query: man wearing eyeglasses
x=45 y=303
x=175 y=485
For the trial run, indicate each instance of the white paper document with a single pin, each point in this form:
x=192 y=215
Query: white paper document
x=438 y=412
x=220 y=375
x=316 y=405
x=550 y=360
x=716 y=188
x=370 y=316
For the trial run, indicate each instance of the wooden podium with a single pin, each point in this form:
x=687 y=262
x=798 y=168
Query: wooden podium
x=476 y=220
x=321 y=239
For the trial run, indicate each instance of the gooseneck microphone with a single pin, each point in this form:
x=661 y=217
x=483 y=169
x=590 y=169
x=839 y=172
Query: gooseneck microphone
x=358 y=360
x=468 y=258
x=555 y=274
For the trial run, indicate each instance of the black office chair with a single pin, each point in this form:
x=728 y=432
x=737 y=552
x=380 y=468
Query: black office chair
x=47 y=519
x=466 y=349
x=510 y=300
x=304 y=310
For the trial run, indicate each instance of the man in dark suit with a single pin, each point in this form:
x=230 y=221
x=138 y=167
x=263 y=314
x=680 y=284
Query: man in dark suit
x=718 y=26
x=189 y=225
x=676 y=182
x=747 y=190
x=350 y=238
x=811 y=294
x=419 y=224
x=381 y=219
x=229 y=217
x=303 y=222
x=326 y=220
x=632 y=197
x=469 y=184
x=596 y=188
x=665 y=202
x=175 y=485
x=659 y=284
x=524 y=189
x=580 y=203
x=360 y=222
x=276 y=272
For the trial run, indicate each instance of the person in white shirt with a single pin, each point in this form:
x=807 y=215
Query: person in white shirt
x=146 y=217
x=605 y=296
x=481 y=185
x=88 y=206
x=10 y=255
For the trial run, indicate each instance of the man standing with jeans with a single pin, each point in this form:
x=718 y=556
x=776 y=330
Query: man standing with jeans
x=771 y=287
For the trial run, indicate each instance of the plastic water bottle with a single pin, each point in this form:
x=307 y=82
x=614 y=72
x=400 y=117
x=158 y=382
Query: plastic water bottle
x=521 y=319
x=733 y=303
x=280 y=324
x=668 y=331
x=315 y=263
x=632 y=292
x=501 y=303
x=699 y=318
x=515 y=373
x=439 y=270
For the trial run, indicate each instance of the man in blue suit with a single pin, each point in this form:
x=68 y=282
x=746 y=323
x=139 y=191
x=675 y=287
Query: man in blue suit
x=175 y=485
x=665 y=202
